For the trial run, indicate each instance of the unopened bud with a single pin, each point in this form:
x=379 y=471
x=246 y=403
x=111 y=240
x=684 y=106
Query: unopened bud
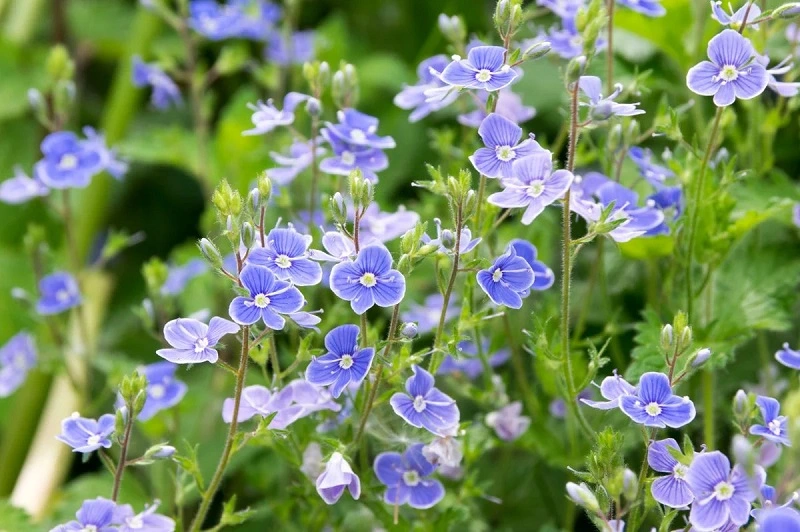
x=409 y=330
x=248 y=235
x=536 y=50
x=575 y=70
x=210 y=252
x=701 y=357
x=630 y=485
x=264 y=188
x=313 y=107
x=686 y=339
x=740 y=404
x=666 y=337
x=583 y=496
x=452 y=28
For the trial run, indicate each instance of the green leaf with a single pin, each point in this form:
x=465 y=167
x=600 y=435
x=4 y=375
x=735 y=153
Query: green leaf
x=13 y=518
x=647 y=355
x=232 y=517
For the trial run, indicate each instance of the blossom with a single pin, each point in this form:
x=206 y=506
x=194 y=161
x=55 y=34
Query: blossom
x=57 y=292
x=147 y=520
x=446 y=240
x=654 y=405
x=775 y=427
x=67 y=163
x=268 y=298
x=654 y=173
x=348 y=157
x=338 y=247
x=779 y=520
x=107 y=157
x=358 y=129
x=721 y=493
x=293 y=49
x=786 y=89
x=425 y=406
x=444 y=451
x=406 y=478
x=21 y=188
x=267 y=117
x=603 y=108
x=246 y=19
x=735 y=19
x=469 y=363
x=427 y=314
x=95 y=515
x=413 y=96
x=612 y=389
x=381 y=227
x=501 y=138
x=85 y=435
x=543 y=276
x=562 y=8
x=650 y=8
x=286 y=255
x=343 y=364
x=532 y=185
x=788 y=357
x=731 y=73
x=485 y=68
x=193 y=341
x=17 y=357
x=179 y=276
x=294 y=401
x=769 y=504
x=507 y=279
x=337 y=476
x=163 y=389
x=298 y=159
x=368 y=280
x=672 y=489
x=508 y=422
x=509 y=105
x=165 y=92
x=567 y=41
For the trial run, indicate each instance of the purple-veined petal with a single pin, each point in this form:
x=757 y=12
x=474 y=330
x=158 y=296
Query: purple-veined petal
x=397 y=494
x=244 y=311
x=389 y=468
x=659 y=457
x=425 y=494
x=707 y=470
x=323 y=370
x=751 y=82
x=725 y=96
x=788 y=357
x=257 y=279
x=490 y=58
x=701 y=78
x=709 y=516
x=671 y=491
x=342 y=340
x=486 y=162
x=500 y=80
x=654 y=388
x=420 y=383
x=389 y=289
x=677 y=411
x=729 y=48
x=496 y=130
x=272 y=319
x=219 y=327
x=591 y=87
x=459 y=74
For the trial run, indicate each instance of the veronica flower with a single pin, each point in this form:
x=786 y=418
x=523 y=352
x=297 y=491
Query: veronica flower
x=268 y=298
x=359 y=129
x=508 y=422
x=306 y=320
x=672 y=489
x=338 y=247
x=731 y=73
x=788 y=357
x=543 y=276
x=445 y=451
x=295 y=401
x=567 y=41
x=21 y=188
x=427 y=314
x=775 y=427
x=257 y=400
x=257 y=20
x=381 y=227
x=267 y=117
x=783 y=519
x=193 y=341
x=163 y=389
x=343 y=364
x=612 y=389
x=286 y=255
x=298 y=159
x=348 y=157
x=509 y=105
x=337 y=476
x=413 y=96
x=654 y=173
x=446 y=241
x=57 y=292
x=95 y=515
x=212 y=20
x=735 y=18
x=179 y=276
x=783 y=88
x=654 y=405
x=469 y=363
x=108 y=160
x=769 y=503
x=165 y=92
x=147 y=520
x=85 y=435
x=17 y=358
x=293 y=49
x=67 y=162
x=485 y=68
x=369 y=280
x=425 y=406
x=562 y=8
x=501 y=138
x=603 y=108
x=406 y=478
x=532 y=185
x=721 y=493
x=650 y=8
x=507 y=279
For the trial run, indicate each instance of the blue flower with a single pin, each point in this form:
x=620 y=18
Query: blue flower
x=193 y=341
x=268 y=298
x=246 y=19
x=21 y=188
x=775 y=427
x=298 y=159
x=359 y=129
x=600 y=107
x=425 y=406
x=163 y=389
x=650 y=8
x=337 y=476
x=787 y=89
x=67 y=162
x=721 y=494
x=508 y=422
x=788 y=357
x=147 y=520
x=296 y=400
x=501 y=138
x=654 y=405
x=485 y=68
x=426 y=315
x=782 y=519
x=532 y=185
x=731 y=73
x=446 y=240
x=369 y=280
x=286 y=255
x=735 y=19
x=165 y=92
x=469 y=363
x=17 y=358
x=562 y=8
x=672 y=489
x=543 y=276
x=57 y=292
x=108 y=160
x=566 y=41
x=378 y=227
x=509 y=105
x=612 y=389
x=97 y=515
x=406 y=478
x=348 y=157
x=654 y=173
x=267 y=117
x=415 y=97
x=179 y=276
x=85 y=435
x=257 y=19
x=294 y=49
x=344 y=364
x=796 y=215
x=507 y=279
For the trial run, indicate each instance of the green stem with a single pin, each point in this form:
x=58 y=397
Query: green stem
x=437 y=357
x=274 y=360
x=634 y=520
x=610 y=47
x=123 y=457
x=708 y=409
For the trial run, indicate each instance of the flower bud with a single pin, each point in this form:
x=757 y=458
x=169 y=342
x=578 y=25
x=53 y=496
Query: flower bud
x=536 y=50
x=614 y=141
x=740 y=404
x=248 y=233
x=686 y=339
x=161 y=451
x=264 y=188
x=409 y=330
x=448 y=239
x=630 y=485
x=210 y=252
x=452 y=28
x=701 y=357
x=666 y=337
x=583 y=496
x=59 y=64
x=313 y=107
x=575 y=70
x=338 y=208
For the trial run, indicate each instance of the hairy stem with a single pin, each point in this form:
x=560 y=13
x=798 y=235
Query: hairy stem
x=436 y=357
x=123 y=456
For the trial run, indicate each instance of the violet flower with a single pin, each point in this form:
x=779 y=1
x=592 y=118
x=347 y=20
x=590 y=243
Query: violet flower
x=337 y=476
x=503 y=143
x=424 y=406
x=193 y=341
x=406 y=478
x=485 y=68
x=344 y=364
x=671 y=489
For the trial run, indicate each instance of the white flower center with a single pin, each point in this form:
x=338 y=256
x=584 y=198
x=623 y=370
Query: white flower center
x=157 y=391
x=411 y=478
x=357 y=135
x=652 y=409
x=20 y=361
x=728 y=73
x=535 y=189
x=136 y=522
x=68 y=162
x=348 y=158
x=505 y=153
x=497 y=275
x=723 y=491
x=679 y=471
x=283 y=261
x=261 y=300
x=419 y=403
x=483 y=75
x=346 y=362
x=774 y=427
x=62 y=296
x=88 y=528
x=368 y=280
x=93 y=440
x=200 y=345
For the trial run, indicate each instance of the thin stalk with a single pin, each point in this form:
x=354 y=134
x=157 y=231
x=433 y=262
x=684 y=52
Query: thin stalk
x=610 y=47
x=213 y=486
x=123 y=458
x=312 y=200
x=436 y=357
x=274 y=361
